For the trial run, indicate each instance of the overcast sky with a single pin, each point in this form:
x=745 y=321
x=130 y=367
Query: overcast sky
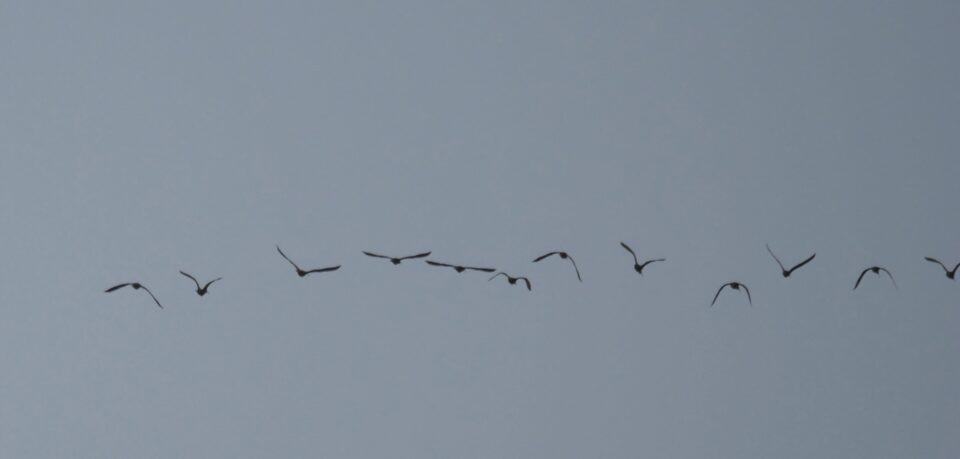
x=137 y=140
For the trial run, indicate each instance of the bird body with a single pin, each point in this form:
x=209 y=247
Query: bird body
x=302 y=272
x=637 y=266
x=397 y=260
x=875 y=270
x=734 y=286
x=136 y=286
x=512 y=280
x=787 y=272
x=200 y=290
x=951 y=274
x=563 y=256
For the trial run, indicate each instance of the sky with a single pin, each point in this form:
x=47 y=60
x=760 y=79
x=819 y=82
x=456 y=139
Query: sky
x=142 y=138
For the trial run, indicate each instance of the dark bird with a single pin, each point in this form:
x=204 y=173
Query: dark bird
x=459 y=268
x=788 y=272
x=735 y=286
x=950 y=274
x=200 y=290
x=875 y=270
x=303 y=273
x=637 y=266
x=136 y=286
x=397 y=260
x=512 y=280
x=563 y=255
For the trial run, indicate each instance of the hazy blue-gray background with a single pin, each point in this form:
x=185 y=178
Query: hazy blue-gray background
x=137 y=140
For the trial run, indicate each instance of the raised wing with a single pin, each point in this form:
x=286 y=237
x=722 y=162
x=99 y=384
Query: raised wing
x=323 y=270
x=627 y=247
x=501 y=273
x=775 y=258
x=644 y=265
x=934 y=260
x=285 y=257
x=116 y=287
x=541 y=257
x=800 y=265
x=419 y=255
x=211 y=283
x=375 y=255
x=194 y=279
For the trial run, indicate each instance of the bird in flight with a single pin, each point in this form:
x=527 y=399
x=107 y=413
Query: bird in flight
x=301 y=272
x=200 y=290
x=637 y=266
x=735 y=286
x=136 y=286
x=788 y=272
x=459 y=268
x=563 y=255
x=950 y=274
x=397 y=260
x=875 y=270
x=512 y=280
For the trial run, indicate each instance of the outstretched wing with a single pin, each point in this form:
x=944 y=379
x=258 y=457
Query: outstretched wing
x=152 y=296
x=323 y=270
x=644 y=265
x=775 y=258
x=541 y=257
x=891 y=278
x=527 y=281
x=745 y=289
x=211 y=283
x=575 y=268
x=485 y=270
x=419 y=255
x=934 y=260
x=194 y=279
x=285 y=257
x=860 y=278
x=718 y=293
x=625 y=246
x=437 y=263
x=800 y=265
x=501 y=273
x=375 y=255
x=116 y=287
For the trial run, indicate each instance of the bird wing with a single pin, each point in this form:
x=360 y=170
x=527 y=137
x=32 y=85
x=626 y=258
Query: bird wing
x=194 y=279
x=374 y=255
x=934 y=260
x=116 y=287
x=527 y=281
x=155 y=300
x=955 y=267
x=437 y=263
x=891 y=278
x=498 y=274
x=486 y=270
x=323 y=270
x=285 y=257
x=541 y=257
x=860 y=278
x=625 y=246
x=211 y=283
x=749 y=298
x=419 y=255
x=575 y=268
x=775 y=258
x=644 y=265
x=718 y=293
x=800 y=265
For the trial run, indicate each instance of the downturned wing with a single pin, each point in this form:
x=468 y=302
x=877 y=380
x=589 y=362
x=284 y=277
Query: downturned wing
x=155 y=300
x=749 y=298
x=891 y=278
x=194 y=279
x=527 y=281
x=860 y=278
x=718 y=293
x=934 y=260
x=575 y=268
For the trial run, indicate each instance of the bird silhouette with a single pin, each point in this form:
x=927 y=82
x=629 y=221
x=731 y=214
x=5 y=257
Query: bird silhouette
x=788 y=272
x=301 y=272
x=200 y=290
x=876 y=270
x=459 y=268
x=397 y=260
x=735 y=286
x=950 y=274
x=563 y=255
x=637 y=266
x=512 y=280
x=136 y=286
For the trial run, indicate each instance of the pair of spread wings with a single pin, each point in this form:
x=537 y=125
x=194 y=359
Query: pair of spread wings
x=791 y=270
x=878 y=268
x=460 y=268
x=408 y=257
x=137 y=286
x=194 y=279
x=318 y=270
x=512 y=280
x=562 y=255
x=730 y=284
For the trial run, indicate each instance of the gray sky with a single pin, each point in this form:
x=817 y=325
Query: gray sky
x=137 y=140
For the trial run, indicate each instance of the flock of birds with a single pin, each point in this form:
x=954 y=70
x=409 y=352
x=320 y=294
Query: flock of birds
x=637 y=266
